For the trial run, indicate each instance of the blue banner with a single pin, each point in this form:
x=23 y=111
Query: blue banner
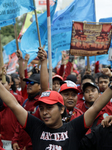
x=10 y=47
x=29 y=40
x=7 y=22
x=10 y=9
x=79 y=10
x=103 y=59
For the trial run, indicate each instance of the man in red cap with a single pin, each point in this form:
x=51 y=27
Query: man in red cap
x=69 y=92
x=51 y=133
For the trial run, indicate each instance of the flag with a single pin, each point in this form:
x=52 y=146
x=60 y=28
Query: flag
x=10 y=9
x=78 y=10
x=90 y=39
x=29 y=40
x=106 y=19
x=7 y=22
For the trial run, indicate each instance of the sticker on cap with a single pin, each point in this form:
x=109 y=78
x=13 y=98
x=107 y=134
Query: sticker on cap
x=69 y=84
x=45 y=94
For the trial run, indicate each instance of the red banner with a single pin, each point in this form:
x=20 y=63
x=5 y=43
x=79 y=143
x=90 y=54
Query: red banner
x=90 y=39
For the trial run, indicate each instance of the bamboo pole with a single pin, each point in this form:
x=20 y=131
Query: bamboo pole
x=16 y=37
x=1 y=61
x=88 y=64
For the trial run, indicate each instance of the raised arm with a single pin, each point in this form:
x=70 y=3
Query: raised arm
x=44 y=77
x=11 y=102
x=93 y=111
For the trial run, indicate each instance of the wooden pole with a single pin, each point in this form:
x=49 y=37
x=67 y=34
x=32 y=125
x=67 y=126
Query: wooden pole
x=1 y=61
x=88 y=64
x=16 y=37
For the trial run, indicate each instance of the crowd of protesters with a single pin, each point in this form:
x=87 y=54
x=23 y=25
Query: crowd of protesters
x=71 y=115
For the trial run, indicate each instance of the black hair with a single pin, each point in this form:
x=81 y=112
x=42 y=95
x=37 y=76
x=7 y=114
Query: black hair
x=15 y=76
x=34 y=70
x=103 y=76
x=13 y=86
x=87 y=76
x=97 y=75
x=7 y=79
x=65 y=112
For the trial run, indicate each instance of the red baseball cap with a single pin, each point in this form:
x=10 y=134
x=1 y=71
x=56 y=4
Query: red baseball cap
x=69 y=85
x=58 y=76
x=50 y=97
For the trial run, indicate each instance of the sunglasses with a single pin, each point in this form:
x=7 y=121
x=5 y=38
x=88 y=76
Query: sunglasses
x=30 y=82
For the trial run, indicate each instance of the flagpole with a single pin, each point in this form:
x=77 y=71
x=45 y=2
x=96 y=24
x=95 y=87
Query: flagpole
x=49 y=43
x=88 y=65
x=37 y=24
x=16 y=37
x=1 y=61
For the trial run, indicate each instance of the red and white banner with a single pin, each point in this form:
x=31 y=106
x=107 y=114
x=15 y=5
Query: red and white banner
x=90 y=39
x=12 y=64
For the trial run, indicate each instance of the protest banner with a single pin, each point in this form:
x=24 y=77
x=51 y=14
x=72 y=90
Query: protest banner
x=12 y=64
x=10 y=9
x=89 y=39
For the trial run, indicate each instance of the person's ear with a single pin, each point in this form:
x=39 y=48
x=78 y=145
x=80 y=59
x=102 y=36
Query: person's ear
x=62 y=109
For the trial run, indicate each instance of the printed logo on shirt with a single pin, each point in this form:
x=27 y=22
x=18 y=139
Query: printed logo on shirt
x=105 y=115
x=54 y=136
x=45 y=94
x=53 y=147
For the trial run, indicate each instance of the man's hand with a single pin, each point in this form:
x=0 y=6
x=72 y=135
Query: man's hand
x=107 y=121
x=42 y=55
x=27 y=56
x=15 y=146
x=19 y=54
x=106 y=71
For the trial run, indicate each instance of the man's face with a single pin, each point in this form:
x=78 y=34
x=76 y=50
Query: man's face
x=91 y=94
x=56 y=85
x=78 y=79
x=51 y=115
x=33 y=89
x=70 y=98
x=17 y=82
x=103 y=84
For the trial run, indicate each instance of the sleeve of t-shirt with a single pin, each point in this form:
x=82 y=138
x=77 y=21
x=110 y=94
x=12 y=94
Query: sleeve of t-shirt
x=32 y=124
x=79 y=127
x=89 y=142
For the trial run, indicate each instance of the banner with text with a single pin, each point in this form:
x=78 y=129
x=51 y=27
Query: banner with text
x=90 y=39
x=10 y=9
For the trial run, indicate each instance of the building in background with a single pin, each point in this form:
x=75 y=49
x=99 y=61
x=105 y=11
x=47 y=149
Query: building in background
x=41 y=4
